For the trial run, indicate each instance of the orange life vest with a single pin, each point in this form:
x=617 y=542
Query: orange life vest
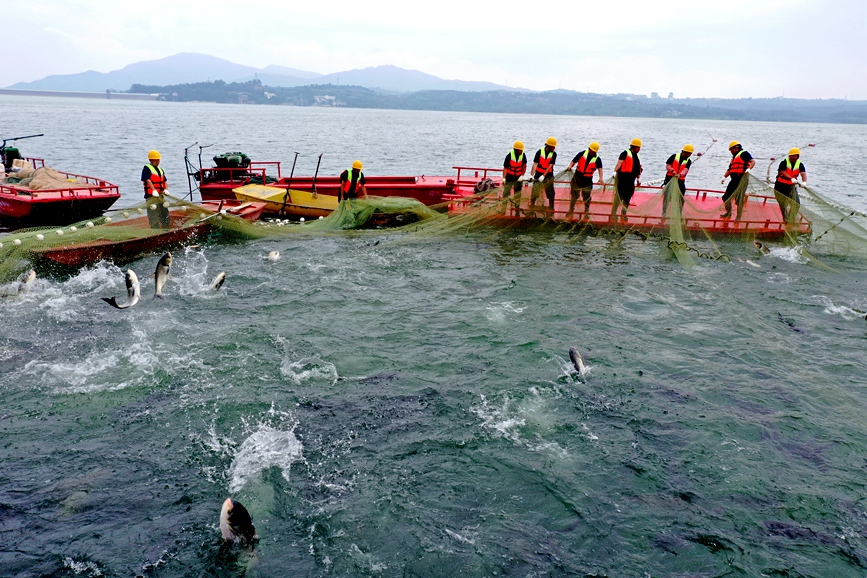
x=628 y=163
x=678 y=168
x=157 y=178
x=737 y=166
x=348 y=182
x=544 y=164
x=517 y=166
x=587 y=166
x=790 y=175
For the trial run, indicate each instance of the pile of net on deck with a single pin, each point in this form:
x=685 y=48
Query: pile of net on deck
x=43 y=178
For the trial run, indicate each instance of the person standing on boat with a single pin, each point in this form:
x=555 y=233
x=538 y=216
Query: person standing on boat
x=352 y=183
x=543 y=172
x=677 y=166
x=741 y=162
x=785 y=190
x=586 y=163
x=628 y=170
x=514 y=167
x=153 y=178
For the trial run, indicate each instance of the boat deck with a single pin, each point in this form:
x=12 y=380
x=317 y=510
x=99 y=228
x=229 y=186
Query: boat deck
x=702 y=212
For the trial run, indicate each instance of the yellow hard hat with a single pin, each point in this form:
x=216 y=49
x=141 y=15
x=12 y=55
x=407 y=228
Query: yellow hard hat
x=688 y=148
x=154 y=156
x=594 y=146
x=518 y=145
x=551 y=142
x=795 y=151
x=357 y=165
x=734 y=143
x=636 y=142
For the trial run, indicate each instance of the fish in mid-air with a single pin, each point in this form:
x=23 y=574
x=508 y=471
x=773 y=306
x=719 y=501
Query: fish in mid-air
x=761 y=247
x=218 y=281
x=25 y=281
x=161 y=274
x=236 y=524
x=133 y=292
x=577 y=361
x=274 y=256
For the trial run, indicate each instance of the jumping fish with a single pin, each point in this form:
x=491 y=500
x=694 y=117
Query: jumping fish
x=133 y=292
x=761 y=247
x=577 y=361
x=218 y=281
x=274 y=256
x=161 y=274
x=25 y=281
x=236 y=524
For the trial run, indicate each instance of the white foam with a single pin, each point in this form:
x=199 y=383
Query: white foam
x=500 y=312
x=82 y=567
x=264 y=448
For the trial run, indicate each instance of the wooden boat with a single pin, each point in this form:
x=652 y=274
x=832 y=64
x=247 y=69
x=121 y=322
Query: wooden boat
x=182 y=230
x=80 y=198
x=761 y=216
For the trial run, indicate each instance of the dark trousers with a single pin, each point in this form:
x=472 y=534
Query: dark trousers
x=789 y=201
x=665 y=197
x=586 y=190
x=548 y=185
x=158 y=214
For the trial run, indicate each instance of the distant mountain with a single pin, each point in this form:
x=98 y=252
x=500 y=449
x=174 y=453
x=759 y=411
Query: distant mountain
x=397 y=79
x=188 y=67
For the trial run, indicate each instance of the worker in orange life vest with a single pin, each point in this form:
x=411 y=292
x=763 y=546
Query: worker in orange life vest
x=153 y=179
x=586 y=163
x=352 y=183
x=514 y=167
x=741 y=162
x=628 y=170
x=543 y=172
x=788 y=173
x=677 y=166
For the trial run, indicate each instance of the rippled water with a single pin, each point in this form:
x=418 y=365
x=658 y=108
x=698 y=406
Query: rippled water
x=390 y=406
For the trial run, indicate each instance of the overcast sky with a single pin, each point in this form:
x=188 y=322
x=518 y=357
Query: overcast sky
x=703 y=48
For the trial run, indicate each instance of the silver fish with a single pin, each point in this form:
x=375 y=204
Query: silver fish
x=25 y=281
x=236 y=524
x=761 y=247
x=218 y=281
x=577 y=361
x=133 y=292
x=161 y=274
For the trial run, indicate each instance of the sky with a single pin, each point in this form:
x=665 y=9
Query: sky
x=698 y=48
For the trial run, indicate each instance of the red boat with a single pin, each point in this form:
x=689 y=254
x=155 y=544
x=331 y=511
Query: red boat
x=218 y=182
x=34 y=195
x=761 y=216
x=182 y=230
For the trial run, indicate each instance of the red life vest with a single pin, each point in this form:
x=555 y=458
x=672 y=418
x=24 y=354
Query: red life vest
x=737 y=166
x=678 y=168
x=790 y=175
x=544 y=164
x=587 y=166
x=348 y=182
x=517 y=166
x=627 y=164
x=157 y=178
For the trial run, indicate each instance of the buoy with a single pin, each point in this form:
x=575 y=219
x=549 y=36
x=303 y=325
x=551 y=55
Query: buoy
x=108 y=219
x=219 y=217
x=16 y=242
x=40 y=237
x=125 y=214
x=321 y=217
x=1 y=245
x=59 y=231
x=89 y=224
x=224 y=212
x=73 y=229
x=152 y=207
x=301 y=219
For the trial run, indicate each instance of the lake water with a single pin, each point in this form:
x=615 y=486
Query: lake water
x=391 y=407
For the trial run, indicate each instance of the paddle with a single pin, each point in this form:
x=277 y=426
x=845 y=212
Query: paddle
x=313 y=186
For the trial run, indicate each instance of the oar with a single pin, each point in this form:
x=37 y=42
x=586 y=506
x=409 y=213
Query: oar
x=288 y=185
x=313 y=186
